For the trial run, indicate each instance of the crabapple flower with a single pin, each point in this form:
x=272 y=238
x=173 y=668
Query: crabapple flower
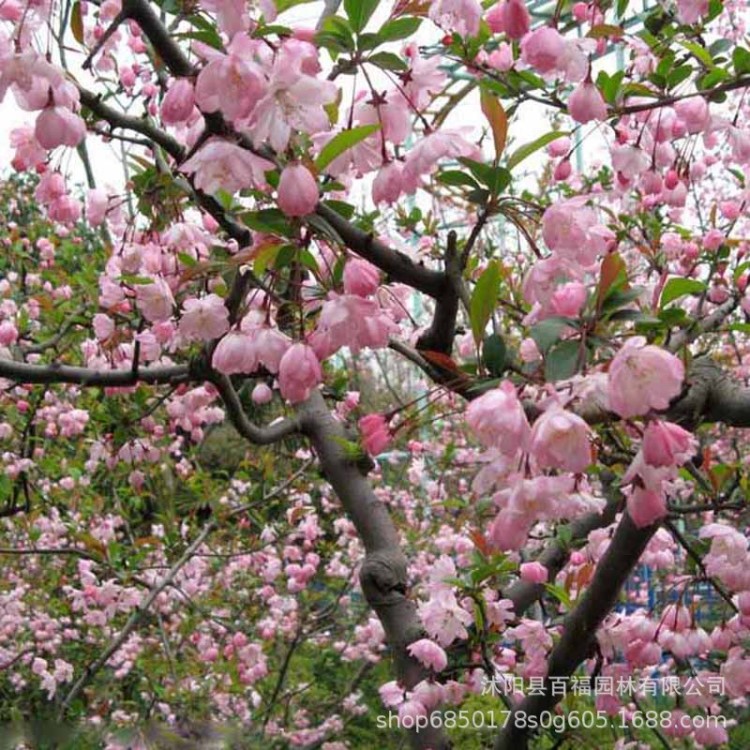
x=388 y=184
x=560 y=440
x=543 y=49
x=691 y=11
x=178 y=102
x=586 y=103
x=375 y=433
x=233 y=83
x=204 y=319
x=571 y=228
x=667 y=444
x=261 y=394
x=533 y=572
x=460 y=16
x=155 y=300
x=292 y=101
x=360 y=277
x=220 y=164
x=298 y=191
x=646 y=506
x=643 y=377
x=234 y=354
x=58 y=126
x=429 y=654
x=299 y=373
x=498 y=419
x=97 y=201
x=511 y=17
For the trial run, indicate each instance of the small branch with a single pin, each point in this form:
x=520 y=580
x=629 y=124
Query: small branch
x=133 y=621
x=236 y=413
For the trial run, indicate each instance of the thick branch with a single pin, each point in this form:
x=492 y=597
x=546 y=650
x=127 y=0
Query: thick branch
x=383 y=573
x=581 y=624
x=396 y=264
x=54 y=373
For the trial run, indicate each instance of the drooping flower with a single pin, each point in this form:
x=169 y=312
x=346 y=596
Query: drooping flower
x=429 y=654
x=646 y=506
x=360 y=277
x=643 y=377
x=560 y=440
x=204 y=319
x=375 y=433
x=178 y=102
x=58 y=126
x=461 y=16
x=155 y=300
x=667 y=444
x=220 y=164
x=298 y=191
x=586 y=103
x=299 y=373
x=533 y=572
x=498 y=419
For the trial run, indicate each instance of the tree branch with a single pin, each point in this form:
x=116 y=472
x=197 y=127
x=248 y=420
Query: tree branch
x=383 y=573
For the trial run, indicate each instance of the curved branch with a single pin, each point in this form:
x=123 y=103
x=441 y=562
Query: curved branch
x=21 y=372
x=236 y=413
x=383 y=573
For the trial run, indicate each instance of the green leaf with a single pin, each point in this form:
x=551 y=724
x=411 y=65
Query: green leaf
x=561 y=361
x=399 y=28
x=496 y=179
x=678 y=287
x=529 y=148
x=456 y=178
x=359 y=12
x=548 y=331
x=494 y=353
x=387 y=61
x=343 y=142
x=700 y=53
x=559 y=593
x=741 y=61
x=483 y=300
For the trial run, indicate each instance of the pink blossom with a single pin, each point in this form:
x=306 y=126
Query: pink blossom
x=424 y=157
x=58 y=126
x=509 y=530
x=8 y=333
x=97 y=201
x=543 y=49
x=571 y=228
x=261 y=394
x=460 y=16
x=299 y=373
x=510 y=16
x=375 y=433
x=568 y=299
x=643 y=377
x=220 y=164
x=204 y=319
x=667 y=444
x=646 y=506
x=586 y=103
x=429 y=654
x=630 y=161
x=231 y=84
x=298 y=191
x=293 y=100
x=350 y=320
x=234 y=354
x=534 y=572
x=178 y=103
x=694 y=113
x=155 y=300
x=360 y=277
x=691 y=11
x=388 y=184
x=498 y=419
x=560 y=440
